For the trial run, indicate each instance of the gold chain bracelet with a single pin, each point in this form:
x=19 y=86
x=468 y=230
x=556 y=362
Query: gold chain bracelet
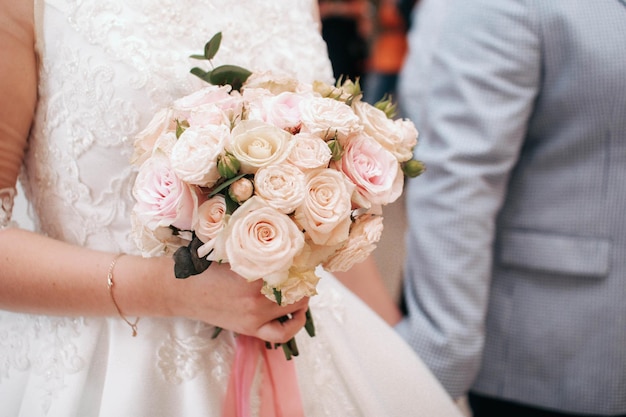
x=133 y=326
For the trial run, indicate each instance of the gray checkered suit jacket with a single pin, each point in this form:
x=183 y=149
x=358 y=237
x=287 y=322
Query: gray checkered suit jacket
x=515 y=276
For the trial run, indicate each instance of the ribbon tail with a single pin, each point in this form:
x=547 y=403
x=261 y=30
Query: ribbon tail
x=248 y=350
x=279 y=391
x=280 y=394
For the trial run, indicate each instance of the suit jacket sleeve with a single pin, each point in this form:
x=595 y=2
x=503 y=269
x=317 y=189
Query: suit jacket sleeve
x=469 y=84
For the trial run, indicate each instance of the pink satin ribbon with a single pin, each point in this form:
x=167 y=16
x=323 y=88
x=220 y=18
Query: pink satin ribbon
x=279 y=392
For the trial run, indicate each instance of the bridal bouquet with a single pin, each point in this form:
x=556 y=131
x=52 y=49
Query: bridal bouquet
x=271 y=175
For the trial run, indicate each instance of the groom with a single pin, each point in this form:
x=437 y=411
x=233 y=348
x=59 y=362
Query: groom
x=515 y=278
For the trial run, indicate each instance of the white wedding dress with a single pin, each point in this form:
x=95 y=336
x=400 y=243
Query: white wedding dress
x=106 y=67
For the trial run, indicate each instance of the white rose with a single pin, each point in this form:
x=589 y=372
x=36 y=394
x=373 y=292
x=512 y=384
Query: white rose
x=256 y=144
x=282 y=186
x=158 y=242
x=309 y=152
x=300 y=284
x=364 y=235
x=146 y=140
x=325 y=211
x=194 y=155
x=259 y=242
x=326 y=117
x=209 y=115
x=397 y=136
x=209 y=94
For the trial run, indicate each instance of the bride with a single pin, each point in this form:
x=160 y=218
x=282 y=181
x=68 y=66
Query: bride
x=78 y=80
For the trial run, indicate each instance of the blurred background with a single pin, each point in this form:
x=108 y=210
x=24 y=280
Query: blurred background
x=367 y=41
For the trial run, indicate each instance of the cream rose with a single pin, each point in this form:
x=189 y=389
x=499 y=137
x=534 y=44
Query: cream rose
x=194 y=155
x=326 y=117
x=397 y=136
x=309 y=152
x=364 y=234
x=300 y=284
x=163 y=199
x=325 y=211
x=373 y=169
x=272 y=82
x=282 y=186
x=259 y=242
x=257 y=144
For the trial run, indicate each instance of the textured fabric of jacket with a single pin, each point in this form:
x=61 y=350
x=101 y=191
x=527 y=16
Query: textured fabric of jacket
x=515 y=277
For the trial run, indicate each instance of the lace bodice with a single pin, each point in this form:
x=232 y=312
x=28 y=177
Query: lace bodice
x=106 y=67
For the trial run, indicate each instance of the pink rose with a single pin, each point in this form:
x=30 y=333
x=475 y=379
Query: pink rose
x=364 y=234
x=282 y=186
x=325 y=211
x=163 y=199
x=283 y=110
x=373 y=169
x=209 y=222
x=309 y=152
x=397 y=136
x=259 y=242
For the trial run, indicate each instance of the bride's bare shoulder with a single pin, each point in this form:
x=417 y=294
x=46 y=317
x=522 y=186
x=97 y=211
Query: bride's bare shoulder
x=16 y=18
x=18 y=84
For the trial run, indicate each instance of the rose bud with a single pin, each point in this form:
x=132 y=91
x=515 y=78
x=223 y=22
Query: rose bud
x=413 y=168
x=241 y=190
x=336 y=149
x=228 y=166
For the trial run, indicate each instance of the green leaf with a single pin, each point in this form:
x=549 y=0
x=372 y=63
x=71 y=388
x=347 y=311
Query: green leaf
x=180 y=127
x=183 y=265
x=231 y=205
x=196 y=56
x=225 y=184
x=202 y=74
x=278 y=295
x=216 y=332
x=232 y=75
x=309 y=325
x=212 y=46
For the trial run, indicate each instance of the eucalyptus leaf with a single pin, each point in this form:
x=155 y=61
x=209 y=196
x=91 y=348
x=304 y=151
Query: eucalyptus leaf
x=212 y=46
x=232 y=75
x=202 y=74
x=196 y=56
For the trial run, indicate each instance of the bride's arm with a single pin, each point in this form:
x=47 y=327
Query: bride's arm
x=44 y=276
x=365 y=281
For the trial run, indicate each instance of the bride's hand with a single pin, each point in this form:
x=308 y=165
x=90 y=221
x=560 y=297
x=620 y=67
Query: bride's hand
x=221 y=297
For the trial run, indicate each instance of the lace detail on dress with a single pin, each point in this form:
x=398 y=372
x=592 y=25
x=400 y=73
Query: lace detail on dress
x=329 y=307
x=7 y=196
x=44 y=345
x=183 y=358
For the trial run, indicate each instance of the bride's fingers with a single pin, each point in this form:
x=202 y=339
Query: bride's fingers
x=281 y=330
